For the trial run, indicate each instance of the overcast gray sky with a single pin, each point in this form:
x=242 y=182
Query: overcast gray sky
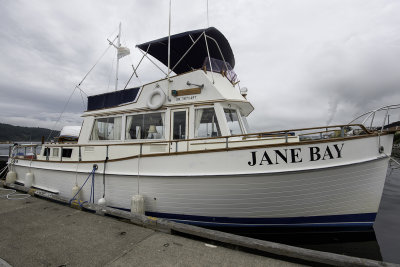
x=305 y=63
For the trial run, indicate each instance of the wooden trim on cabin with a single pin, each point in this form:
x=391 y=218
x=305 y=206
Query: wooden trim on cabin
x=221 y=149
x=245 y=140
x=191 y=91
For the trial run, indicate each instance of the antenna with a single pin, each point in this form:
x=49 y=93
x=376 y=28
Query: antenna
x=118 y=46
x=208 y=21
x=121 y=52
x=169 y=49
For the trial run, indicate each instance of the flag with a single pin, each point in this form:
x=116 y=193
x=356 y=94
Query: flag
x=123 y=51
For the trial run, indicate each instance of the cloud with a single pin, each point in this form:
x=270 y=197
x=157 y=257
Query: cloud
x=305 y=63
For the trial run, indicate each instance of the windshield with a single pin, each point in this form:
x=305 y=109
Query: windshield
x=220 y=66
x=233 y=121
x=206 y=123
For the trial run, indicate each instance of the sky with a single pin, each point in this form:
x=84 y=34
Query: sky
x=305 y=63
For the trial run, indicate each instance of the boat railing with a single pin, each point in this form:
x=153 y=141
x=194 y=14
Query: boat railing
x=120 y=150
x=27 y=151
x=380 y=115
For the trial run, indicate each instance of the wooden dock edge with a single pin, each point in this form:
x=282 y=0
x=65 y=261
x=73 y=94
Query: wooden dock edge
x=164 y=225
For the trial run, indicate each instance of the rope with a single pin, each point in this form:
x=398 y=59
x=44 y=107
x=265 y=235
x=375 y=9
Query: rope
x=59 y=117
x=12 y=160
x=398 y=163
x=77 y=86
x=111 y=71
x=102 y=55
x=12 y=195
x=91 y=189
x=2 y=170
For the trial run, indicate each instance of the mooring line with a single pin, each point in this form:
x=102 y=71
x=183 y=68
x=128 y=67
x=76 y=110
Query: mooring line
x=12 y=195
x=398 y=163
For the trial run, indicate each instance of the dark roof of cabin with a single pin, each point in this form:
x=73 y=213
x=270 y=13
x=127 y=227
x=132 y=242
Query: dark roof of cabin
x=194 y=59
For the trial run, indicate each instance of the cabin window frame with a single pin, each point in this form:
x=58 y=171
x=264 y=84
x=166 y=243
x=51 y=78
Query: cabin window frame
x=245 y=124
x=239 y=119
x=172 y=124
x=107 y=140
x=218 y=124
x=163 y=118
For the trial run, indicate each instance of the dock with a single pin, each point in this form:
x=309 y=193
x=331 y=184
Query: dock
x=43 y=230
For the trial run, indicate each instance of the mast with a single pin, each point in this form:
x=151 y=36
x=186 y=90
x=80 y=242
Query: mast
x=169 y=49
x=118 y=46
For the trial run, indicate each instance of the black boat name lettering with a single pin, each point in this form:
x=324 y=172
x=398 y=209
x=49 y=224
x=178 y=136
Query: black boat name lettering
x=295 y=155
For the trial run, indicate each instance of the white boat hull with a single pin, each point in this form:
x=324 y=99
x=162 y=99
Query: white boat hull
x=223 y=189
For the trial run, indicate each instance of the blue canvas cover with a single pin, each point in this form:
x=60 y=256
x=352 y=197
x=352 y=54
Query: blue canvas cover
x=112 y=99
x=181 y=42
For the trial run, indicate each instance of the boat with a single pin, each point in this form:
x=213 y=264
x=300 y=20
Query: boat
x=183 y=148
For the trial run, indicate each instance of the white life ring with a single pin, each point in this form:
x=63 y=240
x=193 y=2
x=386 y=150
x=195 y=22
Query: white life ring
x=160 y=100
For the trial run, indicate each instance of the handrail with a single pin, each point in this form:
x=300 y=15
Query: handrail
x=222 y=141
x=254 y=135
x=373 y=112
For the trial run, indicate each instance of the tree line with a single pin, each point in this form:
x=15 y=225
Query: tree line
x=13 y=133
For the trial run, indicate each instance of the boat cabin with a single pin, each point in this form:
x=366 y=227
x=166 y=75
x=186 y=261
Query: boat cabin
x=200 y=108
x=201 y=104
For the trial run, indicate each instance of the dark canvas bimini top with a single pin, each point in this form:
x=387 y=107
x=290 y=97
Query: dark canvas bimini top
x=181 y=42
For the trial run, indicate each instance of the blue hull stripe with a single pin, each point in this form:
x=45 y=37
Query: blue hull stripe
x=347 y=220
x=366 y=219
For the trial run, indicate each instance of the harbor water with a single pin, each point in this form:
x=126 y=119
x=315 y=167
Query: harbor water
x=381 y=243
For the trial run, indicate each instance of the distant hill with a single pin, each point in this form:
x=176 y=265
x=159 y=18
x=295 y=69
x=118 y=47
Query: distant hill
x=19 y=133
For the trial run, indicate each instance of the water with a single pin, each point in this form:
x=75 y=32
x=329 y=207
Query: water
x=4 y=149
x=388 y=219
x=381 y=243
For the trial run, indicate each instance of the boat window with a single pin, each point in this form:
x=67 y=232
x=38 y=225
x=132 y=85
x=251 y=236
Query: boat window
x=55 y=152
x=246 y=124
x=233 y=121
x=107 y=129
x=206 y=123
x=220 y=66
x=145 y=126
x=46 y=151
x=66 y=152
x=179 y=127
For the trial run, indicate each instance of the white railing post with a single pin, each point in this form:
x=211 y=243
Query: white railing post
x=384 y=119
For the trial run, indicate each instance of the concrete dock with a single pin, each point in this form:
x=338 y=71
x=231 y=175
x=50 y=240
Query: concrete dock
x=37 y=232
x=48 y=232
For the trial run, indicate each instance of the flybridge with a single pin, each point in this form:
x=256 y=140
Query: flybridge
x=190 y=49
x=203 y=48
